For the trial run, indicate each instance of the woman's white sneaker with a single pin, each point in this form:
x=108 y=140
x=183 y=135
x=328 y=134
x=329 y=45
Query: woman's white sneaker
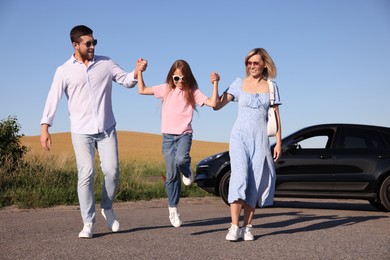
x=247 y=233
x=234 y=233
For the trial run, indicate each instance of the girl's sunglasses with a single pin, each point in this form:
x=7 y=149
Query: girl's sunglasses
x=177 y=78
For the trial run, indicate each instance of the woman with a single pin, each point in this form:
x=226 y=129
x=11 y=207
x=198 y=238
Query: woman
x=180 y=95
x=252 y=180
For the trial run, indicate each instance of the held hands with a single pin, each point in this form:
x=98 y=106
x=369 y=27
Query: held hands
x=213 y=101
x=214 y=76
x=140 y=65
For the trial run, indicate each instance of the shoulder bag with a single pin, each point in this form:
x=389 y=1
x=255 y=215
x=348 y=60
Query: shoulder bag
x=272 y=125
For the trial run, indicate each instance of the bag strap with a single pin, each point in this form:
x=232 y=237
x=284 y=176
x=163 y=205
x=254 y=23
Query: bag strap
x=271 y=92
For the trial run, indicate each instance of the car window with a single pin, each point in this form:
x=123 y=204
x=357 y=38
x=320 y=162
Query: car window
x=314 y=142
x=354 y=142
x=317 y=139
x=361 y=139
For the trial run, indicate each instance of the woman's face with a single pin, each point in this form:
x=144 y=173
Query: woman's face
x=178 y=79
x=255 y=66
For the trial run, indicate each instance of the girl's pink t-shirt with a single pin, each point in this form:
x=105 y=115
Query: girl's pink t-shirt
x=176 y=113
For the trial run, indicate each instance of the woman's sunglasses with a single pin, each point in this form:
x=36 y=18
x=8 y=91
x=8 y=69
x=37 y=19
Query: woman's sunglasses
x=177 y=78
x=255 y=64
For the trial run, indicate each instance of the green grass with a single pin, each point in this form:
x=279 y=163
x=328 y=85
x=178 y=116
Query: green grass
x=52 y=180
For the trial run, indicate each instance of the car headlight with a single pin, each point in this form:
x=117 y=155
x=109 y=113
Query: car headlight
x=211 y=158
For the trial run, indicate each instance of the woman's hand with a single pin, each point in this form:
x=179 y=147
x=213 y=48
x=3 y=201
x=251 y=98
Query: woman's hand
x=277 y=151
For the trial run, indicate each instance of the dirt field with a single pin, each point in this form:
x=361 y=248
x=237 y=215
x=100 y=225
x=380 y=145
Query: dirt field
x=133 y=146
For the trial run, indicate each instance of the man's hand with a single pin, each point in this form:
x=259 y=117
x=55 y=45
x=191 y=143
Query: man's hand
x=45 y=137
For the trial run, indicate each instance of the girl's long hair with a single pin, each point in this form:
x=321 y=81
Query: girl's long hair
x=190 y=82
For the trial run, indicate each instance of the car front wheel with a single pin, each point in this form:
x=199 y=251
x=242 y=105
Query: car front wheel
x=384 y=193
x=224 y=187
x=377 y=204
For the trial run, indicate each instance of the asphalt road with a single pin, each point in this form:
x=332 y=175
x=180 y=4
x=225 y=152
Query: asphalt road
x=293 y=229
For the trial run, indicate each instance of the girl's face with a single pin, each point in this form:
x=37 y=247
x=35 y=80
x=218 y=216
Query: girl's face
x=178 y=79
x=255 y=66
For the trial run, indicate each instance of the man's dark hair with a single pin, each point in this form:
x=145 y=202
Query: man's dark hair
x=78 y=31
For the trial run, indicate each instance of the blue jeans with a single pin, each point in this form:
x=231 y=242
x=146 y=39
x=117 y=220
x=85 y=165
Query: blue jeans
x=176 y=150
x=85 y=145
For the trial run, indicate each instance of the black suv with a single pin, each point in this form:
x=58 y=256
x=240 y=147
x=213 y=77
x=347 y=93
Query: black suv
x=346 y=161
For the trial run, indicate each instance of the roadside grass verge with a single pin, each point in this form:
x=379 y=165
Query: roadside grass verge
x=50 y=180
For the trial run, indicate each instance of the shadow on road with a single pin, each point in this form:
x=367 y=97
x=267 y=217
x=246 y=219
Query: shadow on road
x=324 y=204
x=296 y=220
x=132 y=230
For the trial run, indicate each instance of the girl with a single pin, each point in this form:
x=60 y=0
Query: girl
x=180 y=95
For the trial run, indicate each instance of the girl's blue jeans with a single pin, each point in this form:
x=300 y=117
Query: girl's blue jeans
x=176 y=150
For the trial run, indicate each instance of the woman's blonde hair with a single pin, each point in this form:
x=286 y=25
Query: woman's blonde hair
x=269 y=71
x=190 y=82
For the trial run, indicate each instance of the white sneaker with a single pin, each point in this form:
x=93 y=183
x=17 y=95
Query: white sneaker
x=87 y=231
x=174 y=217
x=111 y=221
x=188 y=180
x=234 y=233
x=247 y=233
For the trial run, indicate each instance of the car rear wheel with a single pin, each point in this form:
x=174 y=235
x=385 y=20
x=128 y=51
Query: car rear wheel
x=224 y=187
x=384 y=193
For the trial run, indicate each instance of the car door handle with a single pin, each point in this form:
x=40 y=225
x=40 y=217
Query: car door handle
x=384 y=156
x=325 y=156
x=280 y=162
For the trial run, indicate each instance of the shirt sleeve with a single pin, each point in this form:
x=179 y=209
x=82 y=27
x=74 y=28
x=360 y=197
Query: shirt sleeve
x=122 y=77
x=53 y=98
x=277 y=96
x=200 y=98
x=159 y=90
x=234 y=88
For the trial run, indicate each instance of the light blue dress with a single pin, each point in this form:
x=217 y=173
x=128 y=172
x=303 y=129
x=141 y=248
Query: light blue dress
x=252 y=167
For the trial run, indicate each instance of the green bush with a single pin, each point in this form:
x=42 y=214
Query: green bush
x=11 y=149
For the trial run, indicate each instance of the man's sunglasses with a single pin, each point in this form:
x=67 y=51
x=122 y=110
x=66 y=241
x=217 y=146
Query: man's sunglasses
x=89 y=44
x=177 y=78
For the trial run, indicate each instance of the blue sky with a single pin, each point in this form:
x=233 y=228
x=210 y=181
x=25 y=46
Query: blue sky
x=333 y=57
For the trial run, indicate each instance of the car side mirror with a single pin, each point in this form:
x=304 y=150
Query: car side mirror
x=291 y=147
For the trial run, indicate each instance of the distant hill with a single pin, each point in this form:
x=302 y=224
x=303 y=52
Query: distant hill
x=133 y=146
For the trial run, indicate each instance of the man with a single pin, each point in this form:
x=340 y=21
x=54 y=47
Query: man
x=86 y=80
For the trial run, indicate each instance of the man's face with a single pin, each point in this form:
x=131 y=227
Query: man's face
x=86 y=47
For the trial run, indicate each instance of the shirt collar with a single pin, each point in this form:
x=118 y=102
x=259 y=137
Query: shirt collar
x=74 y=60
